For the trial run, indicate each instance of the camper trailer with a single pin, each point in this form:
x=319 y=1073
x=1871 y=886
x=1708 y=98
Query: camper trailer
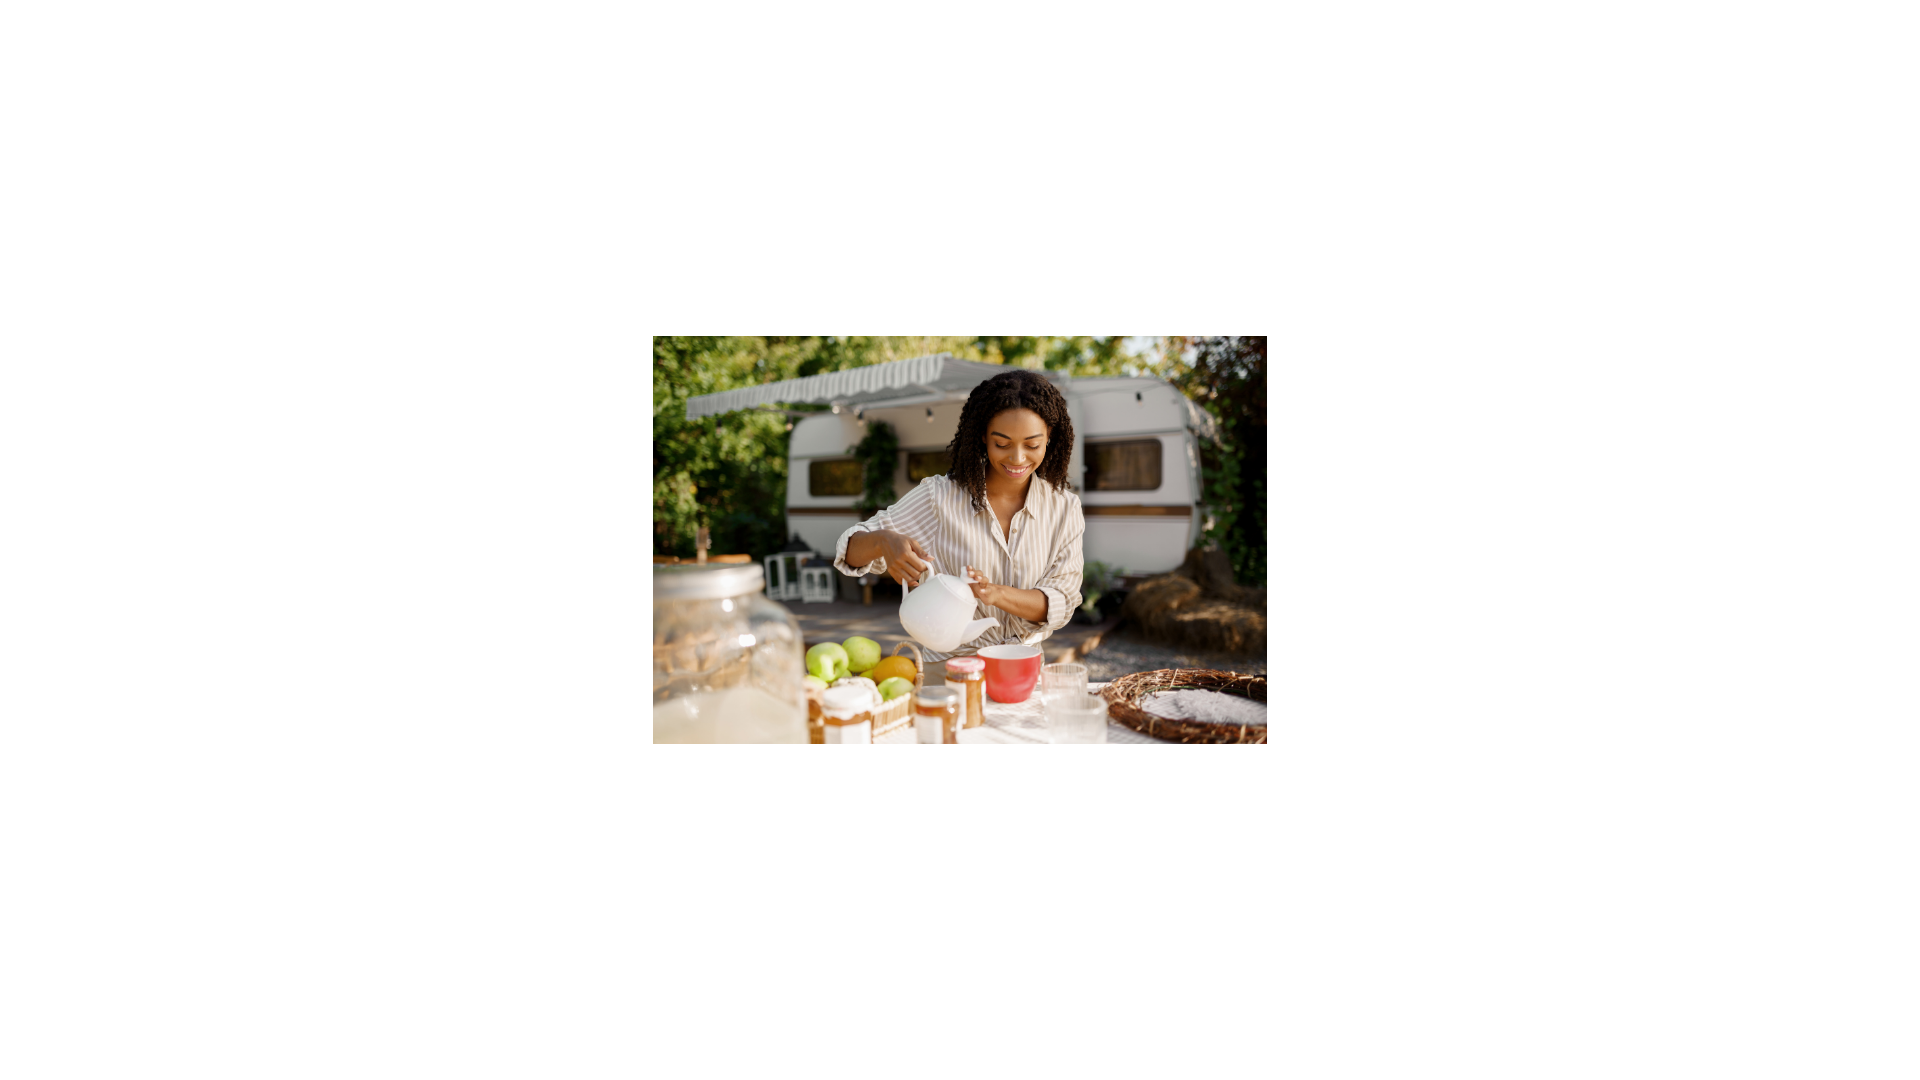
x=1135 y=464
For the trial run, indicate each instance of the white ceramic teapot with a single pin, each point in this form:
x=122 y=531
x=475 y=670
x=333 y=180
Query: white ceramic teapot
x=936 y=613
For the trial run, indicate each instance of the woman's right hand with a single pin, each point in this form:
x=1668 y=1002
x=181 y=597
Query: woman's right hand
x=906 y=559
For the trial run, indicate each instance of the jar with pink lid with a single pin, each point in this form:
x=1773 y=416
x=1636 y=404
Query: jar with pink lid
x=970 y=672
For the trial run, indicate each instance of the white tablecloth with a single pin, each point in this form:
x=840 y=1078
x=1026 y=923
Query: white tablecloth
x=1022 y=723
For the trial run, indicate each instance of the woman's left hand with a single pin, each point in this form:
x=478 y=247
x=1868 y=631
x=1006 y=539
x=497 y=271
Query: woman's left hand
x=1028 y=604
x=983 y=590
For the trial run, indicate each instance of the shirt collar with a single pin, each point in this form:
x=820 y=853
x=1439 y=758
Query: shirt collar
x=1037 y=490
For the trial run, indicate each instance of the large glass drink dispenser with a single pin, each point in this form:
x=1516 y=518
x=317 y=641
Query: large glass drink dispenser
x=727 y=661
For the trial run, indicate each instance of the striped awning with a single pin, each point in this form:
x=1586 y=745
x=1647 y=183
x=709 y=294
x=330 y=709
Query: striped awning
x=895 y=382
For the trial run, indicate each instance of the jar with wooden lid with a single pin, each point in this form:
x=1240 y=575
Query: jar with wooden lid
x=969 y=673
x=936 y=715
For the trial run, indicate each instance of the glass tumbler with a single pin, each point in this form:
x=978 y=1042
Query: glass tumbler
x=1076 y=718
x=1063 y=678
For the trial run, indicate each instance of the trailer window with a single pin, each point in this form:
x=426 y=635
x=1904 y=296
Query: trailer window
x=931 y=463
x=1133 y=465
x=837 y=477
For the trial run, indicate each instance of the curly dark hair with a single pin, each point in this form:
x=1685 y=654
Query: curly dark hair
x=1016 y=389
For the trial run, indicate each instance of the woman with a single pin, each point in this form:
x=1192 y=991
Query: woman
x=1014 y=540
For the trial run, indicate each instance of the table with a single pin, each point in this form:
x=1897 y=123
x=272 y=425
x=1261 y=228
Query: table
x=1022 y=723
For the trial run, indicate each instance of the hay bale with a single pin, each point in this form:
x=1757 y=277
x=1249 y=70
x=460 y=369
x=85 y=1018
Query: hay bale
x=1200 y=606
x=1216 y=625
x=1154 y=596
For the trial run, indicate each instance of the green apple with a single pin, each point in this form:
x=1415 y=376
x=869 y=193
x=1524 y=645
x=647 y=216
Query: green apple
x=813 y=683
x=862 y=653
x=827 y=661
x=894 y=687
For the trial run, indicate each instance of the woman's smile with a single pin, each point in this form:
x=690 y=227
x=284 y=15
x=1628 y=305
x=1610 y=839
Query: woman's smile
x=1016 y=445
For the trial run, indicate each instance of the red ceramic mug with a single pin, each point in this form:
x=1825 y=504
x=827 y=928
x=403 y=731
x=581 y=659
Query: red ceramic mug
x=1012 y=671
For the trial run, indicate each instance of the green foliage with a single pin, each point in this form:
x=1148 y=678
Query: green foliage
x=726 y=473
x=879 y=454
x=1096 y=580
x=1227 y=376
x=1075 y=356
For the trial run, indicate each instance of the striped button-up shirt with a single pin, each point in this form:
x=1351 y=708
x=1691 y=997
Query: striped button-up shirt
x=1042 y=550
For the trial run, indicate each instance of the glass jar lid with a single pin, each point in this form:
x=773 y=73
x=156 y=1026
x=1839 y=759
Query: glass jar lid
x=714 y=581
x=962 y=665
x=937 y=697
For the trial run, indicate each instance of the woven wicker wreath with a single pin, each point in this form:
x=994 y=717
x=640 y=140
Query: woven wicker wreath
x=1123 y=693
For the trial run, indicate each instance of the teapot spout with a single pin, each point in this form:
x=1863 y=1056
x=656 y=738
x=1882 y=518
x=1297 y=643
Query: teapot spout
x=976 y=628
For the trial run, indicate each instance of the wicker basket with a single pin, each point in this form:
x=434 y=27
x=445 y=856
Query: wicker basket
x=1124 y=692
x=892 y=716
x=919 y=664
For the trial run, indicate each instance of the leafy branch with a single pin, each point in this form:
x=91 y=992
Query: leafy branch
x=879 y=454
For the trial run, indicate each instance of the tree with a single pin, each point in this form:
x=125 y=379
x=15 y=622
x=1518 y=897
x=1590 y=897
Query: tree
x=728 y=473
x=725 y=473
x=879 y=454
x=1227 y=376
x=1074 y=356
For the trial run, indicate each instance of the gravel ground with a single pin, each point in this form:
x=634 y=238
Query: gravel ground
x=1122 y=653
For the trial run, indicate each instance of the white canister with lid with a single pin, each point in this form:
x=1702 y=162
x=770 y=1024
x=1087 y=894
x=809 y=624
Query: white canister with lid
x=846 y=713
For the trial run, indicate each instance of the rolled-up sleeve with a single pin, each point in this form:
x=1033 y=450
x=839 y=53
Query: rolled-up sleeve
x=1061 y=579
x=877 y=566
x=913 y=515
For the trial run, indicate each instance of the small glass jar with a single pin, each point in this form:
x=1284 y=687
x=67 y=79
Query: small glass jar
x=970 y=673
x=936 y=715
x=727 y=661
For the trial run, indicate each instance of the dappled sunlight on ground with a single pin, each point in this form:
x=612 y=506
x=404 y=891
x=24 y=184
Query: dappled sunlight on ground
x=1121 y=653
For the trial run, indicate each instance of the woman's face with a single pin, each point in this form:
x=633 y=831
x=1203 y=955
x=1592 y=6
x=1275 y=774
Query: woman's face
x=1016 y=443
